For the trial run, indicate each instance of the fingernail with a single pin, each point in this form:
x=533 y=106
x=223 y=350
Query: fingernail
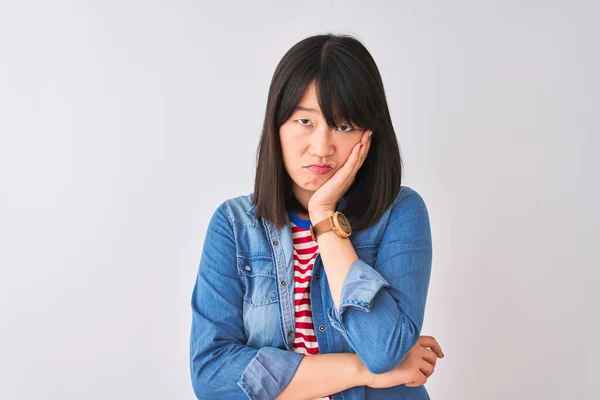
x=370 y=133
x=361 y=145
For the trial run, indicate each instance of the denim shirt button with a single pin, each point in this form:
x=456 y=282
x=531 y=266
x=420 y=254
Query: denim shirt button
x=247 y=267
x=322 y=328
x=275 y=242
x=317 y=276
x=283 y=283
x=289 y=333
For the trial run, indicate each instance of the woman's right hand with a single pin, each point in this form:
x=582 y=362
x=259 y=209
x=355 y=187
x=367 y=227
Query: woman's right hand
x=414 y=370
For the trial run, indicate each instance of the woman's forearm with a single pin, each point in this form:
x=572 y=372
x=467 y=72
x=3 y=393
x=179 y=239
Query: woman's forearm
x=319 y=375
x=337 y=255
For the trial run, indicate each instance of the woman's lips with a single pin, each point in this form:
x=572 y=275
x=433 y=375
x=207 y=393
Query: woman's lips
x=319 y=170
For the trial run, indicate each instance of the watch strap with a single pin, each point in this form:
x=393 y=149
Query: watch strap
x=322 y=227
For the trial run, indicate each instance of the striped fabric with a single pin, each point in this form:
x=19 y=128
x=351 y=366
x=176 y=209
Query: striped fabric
x=305 y=252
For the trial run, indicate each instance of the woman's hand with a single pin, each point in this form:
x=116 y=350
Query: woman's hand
x=324 y=199
x=414 y=370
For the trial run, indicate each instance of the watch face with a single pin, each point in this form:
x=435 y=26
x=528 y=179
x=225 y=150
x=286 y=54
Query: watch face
x=344 y=223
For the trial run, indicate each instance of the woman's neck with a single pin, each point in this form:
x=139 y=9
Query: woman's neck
x=303 y=196
x=302 y=215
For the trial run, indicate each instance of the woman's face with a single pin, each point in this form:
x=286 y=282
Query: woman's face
x=307 y=140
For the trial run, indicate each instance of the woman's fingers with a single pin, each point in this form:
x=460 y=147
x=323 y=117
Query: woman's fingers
x=426 y=368
x=429 y=353
x=363 y=147
x=347 y=174
x=429 y=341
x=366 y=144
x=356 y=159
x=429 y=356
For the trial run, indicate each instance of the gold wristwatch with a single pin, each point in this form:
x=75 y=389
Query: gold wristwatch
x=338 y=222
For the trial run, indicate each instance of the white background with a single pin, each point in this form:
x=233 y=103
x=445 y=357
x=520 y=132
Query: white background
x=123 y=125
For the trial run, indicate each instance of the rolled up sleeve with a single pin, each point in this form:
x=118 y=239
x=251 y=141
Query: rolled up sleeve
x=269 y=372
x=382 y=306
x=361 y=285
x=222 y=366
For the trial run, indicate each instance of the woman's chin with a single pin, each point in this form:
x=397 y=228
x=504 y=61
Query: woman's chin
x=313 y=185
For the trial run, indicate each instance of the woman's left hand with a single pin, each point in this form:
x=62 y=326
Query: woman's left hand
x=324 y=199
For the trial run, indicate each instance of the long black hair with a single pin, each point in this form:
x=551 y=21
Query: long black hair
x=350 y=90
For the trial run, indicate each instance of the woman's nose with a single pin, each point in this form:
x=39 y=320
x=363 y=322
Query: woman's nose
x=321 y=141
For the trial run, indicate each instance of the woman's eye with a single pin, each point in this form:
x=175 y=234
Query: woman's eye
x=344 y=128
x=349 y=128
x=304 y=124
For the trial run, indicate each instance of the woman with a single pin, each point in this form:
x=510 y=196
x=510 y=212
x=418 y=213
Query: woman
x=314 y=285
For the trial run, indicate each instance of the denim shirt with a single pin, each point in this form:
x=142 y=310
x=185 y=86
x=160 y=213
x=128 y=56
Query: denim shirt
x=243 y=324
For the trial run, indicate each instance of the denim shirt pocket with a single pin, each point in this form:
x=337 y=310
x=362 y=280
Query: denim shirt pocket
x=258 y=277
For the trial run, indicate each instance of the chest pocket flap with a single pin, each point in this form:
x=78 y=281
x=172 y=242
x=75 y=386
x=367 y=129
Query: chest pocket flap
x=259 y=279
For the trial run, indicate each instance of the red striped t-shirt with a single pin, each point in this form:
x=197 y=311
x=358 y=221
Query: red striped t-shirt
x=305 y=252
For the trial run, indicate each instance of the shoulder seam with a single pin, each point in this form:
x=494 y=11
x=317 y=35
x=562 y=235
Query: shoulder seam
x=228 y=213
x=401 y=196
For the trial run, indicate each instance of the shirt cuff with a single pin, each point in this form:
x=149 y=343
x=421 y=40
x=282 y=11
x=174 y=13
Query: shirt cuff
x=361 y=285
x=269 y=372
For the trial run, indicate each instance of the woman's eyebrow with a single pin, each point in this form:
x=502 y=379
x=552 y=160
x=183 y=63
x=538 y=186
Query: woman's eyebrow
x=301 y=108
